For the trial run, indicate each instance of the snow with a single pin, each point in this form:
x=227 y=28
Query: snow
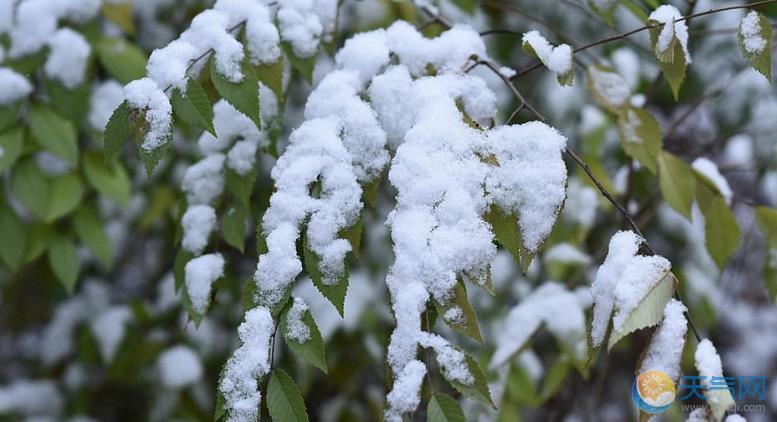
x=581 y=204
x=557 y=59
x=144 y=94
x=249 y=362
x=673 y=28
x=15 y=86
x=167 y=66
x=66 y=61
x=36 y=23
x=200 y=273
x=300 y=27
x=566 y=253
x=750 y=31
x=404 y=396
x=451 y=360
x=611 y=87
x=179 y=366
x=550 y=304
x=198 y=222
x=108 y=328
x=296 y=329
x=31 y=398
x=106 y=96
x=711 y=172
x=666 y=347
x=366 y=53
x=204 y=181
x=531 y=177
x=230 y=126
x=735 y=418
x=639 y=276
x=698 y=415
x=209 y=31
x=242 y=156
x=707 y=360
x=262 y=39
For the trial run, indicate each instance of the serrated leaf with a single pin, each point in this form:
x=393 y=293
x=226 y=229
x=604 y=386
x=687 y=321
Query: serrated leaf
x=122 y=59
x=284 y=400
x=462 y=318
x=648 y=312
x=443 y=408
x=507 y=233
x=721 y=230
x=110 y=179
x=303 y=65
x=151 y=158
x=66 y=193
x=233 y=226
x=194 y=107
x=677 y=183
x=479 y=388
x=760 y=60
x=244 y=95
x=90 y=230
x=31 y=188
x=117 y=132
x=64 y=261
x=14 y=238
x=312 y=350
x=334 y=293
x=640 y=136
x=54 y=133
x=11 y=143
x=271 y=75
x=120 y=14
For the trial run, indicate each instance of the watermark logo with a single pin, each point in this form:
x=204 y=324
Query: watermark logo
x=653 y=391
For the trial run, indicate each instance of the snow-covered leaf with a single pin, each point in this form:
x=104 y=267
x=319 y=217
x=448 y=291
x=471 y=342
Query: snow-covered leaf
x=608 y=88
x=721 y=230
x=677 y=182
x=152 y=157
x=755 y=42
x=194 y=107
x=304 y=66
x=649 y=311
x=334 y=293
x=243 y=95
x=640 y=136
x=64 y=261
x=302 y=335
x=284 y=400
x=271 y=75
x=459 y=314
x=709 y=365
x=54 y=133
x=479 y=389
x=443 y=408
x=669 y=40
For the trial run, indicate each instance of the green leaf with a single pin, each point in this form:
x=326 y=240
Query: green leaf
x=73 y=104
x=302 y=65
x=312 y=349
x=640 y=136
x=334 y=293
x=443 y=408
x=152 y=157
x=122 y=59
x=54 y=133
x=244 y=95
x=469 y=6
x=767 y=221
x=677 y=183
x=760 y=60
x=194 y=107
x=38 y=238
x=118 y=130
x=120 y=14
x=64 y=261
x=370 y=191
x=721 y=231
x=241 y=186
x=284 y=400
x=271 y=75
x=606 y=13
x=479 y=389
x=90 y=230
x=555 y=377
x=672 y=61
x=66 y=194
x=14 y=238
x=11 y=143
x=649 y=311
x=354 y=235
x=110 y=179
x=233 y=226
x=9 y=115
x=507 y=233
x=459 y=314
x=31 y=188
